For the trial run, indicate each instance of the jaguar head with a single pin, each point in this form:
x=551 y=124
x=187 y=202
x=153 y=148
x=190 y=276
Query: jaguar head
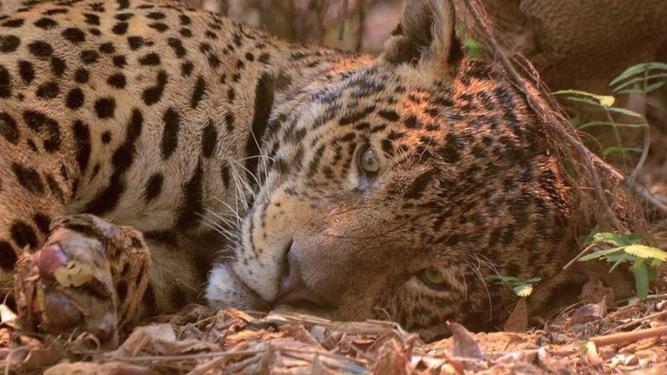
x=395 y=189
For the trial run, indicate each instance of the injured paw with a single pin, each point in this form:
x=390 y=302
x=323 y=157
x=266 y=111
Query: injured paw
x=89 y=276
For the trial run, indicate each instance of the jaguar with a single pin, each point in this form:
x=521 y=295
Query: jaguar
x=179 y=156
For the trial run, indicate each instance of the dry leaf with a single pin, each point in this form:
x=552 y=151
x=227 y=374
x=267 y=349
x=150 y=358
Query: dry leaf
x=591 y=354
x=464 y=344
x=31 y=357
x=159 y=339
x=8 y=317
x=518 y=320
x=590 y=312
x=391 y=360
x=595 y=290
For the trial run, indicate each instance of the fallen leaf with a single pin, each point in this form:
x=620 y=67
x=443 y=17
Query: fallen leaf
x=32 y=357
x=391 y=360
x=518 y=320
x=590 y=312
x=9 y=317
x=159 y=339
x=591 y=354
x=594 y=290
x=74 y=274
x=464 y=344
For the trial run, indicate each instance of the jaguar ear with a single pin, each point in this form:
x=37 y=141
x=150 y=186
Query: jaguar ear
x=426 y=36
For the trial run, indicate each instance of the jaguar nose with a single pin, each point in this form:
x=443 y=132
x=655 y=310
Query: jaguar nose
x=291 y=279
x=293 y=291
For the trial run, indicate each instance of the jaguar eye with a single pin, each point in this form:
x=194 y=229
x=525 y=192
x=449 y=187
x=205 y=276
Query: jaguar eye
x=433 y=277
x=368 y=161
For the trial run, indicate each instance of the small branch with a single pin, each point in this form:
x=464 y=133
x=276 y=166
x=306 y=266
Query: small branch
x=642 y=159
x=181 y=357
x=636 y=188
x=647 y=130
x=628 y=337
x=636 y=321
x=581 y=254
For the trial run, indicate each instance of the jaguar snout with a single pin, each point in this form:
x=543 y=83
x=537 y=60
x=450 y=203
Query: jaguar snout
x=294 y=291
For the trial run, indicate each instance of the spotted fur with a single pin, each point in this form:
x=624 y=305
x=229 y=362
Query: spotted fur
x=205 y=135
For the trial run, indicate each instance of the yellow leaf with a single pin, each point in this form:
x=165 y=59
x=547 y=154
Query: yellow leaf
x=605 y=100
x=646 y=252
x=8 y=317
x=74 y=274
x=523 y=290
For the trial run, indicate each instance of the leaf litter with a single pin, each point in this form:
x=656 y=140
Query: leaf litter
x=586 y=339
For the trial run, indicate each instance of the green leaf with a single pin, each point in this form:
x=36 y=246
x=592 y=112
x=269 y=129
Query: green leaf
x=617 y=260
x=610 y=109
x=610 y=150
x=591 y=235
x=586 y=101
x=643 y=251
x=654 y=86
x=600 y=254
x=636 y=69
x=473 y=48
x=604 y=100
x=625 y=112
x=652 y=274
x=611 y=238
x=637 y=263
x=629 y=72
x=504 y=279
x=634 y=238
x=657 y=66
x=641 y=281
x=630 y=91
x=639 y=79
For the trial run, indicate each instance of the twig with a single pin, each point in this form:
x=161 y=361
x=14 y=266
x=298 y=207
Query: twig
x=581 y=254
x=630 y=324
x=642 y=159
x=210 y=365
x=186 y=357
x=215 y=363
x=325 y=354
x=636 y=188
x=628 y=337
x=647 y=130
x=181 y=357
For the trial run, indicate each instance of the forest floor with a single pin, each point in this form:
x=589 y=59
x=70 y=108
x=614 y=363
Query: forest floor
x=599 y=335
x=583 y=339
